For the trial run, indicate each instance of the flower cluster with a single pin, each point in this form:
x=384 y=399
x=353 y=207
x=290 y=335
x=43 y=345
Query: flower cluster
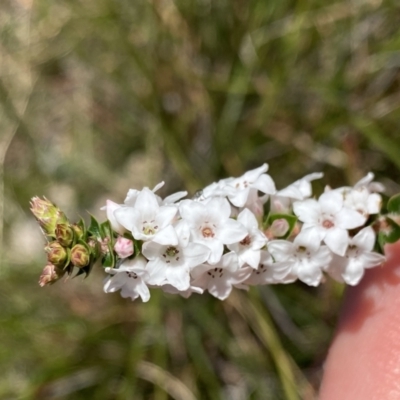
x=240 y=232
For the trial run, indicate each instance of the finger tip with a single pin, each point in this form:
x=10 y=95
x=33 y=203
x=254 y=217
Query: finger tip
x=364 y=358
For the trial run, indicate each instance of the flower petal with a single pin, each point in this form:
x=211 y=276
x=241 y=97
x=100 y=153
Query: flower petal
x=349 y=219
x=232 y=231
x=337 y=240
x=308 y=211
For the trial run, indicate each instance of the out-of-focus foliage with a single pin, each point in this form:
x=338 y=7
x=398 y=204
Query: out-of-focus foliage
x=99 y=96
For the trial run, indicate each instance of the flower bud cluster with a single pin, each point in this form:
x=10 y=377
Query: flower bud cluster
x=240 y=232
x=68 y=245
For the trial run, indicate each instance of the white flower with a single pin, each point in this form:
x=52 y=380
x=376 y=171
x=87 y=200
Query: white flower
x=254 y=180
x=219 y=279
x=132 y=195
x=211 y=226
x=329 y=218
x=367 y=183
x=130 y=278
x=298 y=190
x=305 y=256
x=359 y=256
x=172 y=264
x=361 y=200
x=147 y=220
x=184 y=293
x=110 y=207
x=269 y=272
x=248 y=249
x=361 y=197
x=238 y=189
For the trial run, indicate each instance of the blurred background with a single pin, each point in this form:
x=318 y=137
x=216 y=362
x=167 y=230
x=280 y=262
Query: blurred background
x=99 y=96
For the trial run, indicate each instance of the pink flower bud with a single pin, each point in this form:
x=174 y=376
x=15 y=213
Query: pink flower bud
x=279 y=227
x=56 y=254
x=50 y=274
x=80 y=256
x=123 y=247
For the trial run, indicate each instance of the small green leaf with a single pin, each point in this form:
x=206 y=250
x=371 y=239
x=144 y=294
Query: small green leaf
x=94 y=227
x=137 y=246
x=109 y=259
x=106 y=230
x=393 y=205
x=388 y=234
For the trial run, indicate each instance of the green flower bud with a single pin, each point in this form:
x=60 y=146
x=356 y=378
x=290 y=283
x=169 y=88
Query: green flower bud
x=80 y=256
x=64 y=234
x=47 y=214
x=77 y=230
x=50 y=274
x=56 y=254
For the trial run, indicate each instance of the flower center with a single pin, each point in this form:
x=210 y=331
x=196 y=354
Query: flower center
x=207 y=232
x=261 y=269
x=216 y=273
x=149 y=228
x=171 y=252
x=352 y=251
x=328 y=224
x=242 y=185
x=131 y=275
x=246 y=241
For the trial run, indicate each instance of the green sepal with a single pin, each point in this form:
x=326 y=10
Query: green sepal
x=68 y=260
x=81 y=224
x=290 y=218
x=85 y=270
x=266 y=209
x=137 y=246
x=385 y=201
x=106 y=230
x=94 y=228
x=393 y=204
x=128 y=235
x=108 y=260
x=389 y=234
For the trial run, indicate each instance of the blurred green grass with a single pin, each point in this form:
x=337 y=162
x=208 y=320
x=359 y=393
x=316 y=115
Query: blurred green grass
x=100 y=96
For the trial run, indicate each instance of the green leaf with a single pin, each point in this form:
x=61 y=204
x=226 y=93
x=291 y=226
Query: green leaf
x=389 y=234
x=94 y=227
x=393 y=205
x=291 y=220
x=137 y=246
x=109 y=258
x=106 y=230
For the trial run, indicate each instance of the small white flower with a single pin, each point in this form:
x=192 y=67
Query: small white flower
x=358 y=257
x=238 y=189
x=329 y=218
x=256 y=179
x=130 y=278
x=147 y=220
x=132 y=195
x=361 y=200
x=299 y=190
x=269 y=272
x=110 y=208
x=172 y=264
x=219 y=279
x=305 y=256
x=211 y=226
x=184 y=293
x=248 y=249
x=368 y=183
